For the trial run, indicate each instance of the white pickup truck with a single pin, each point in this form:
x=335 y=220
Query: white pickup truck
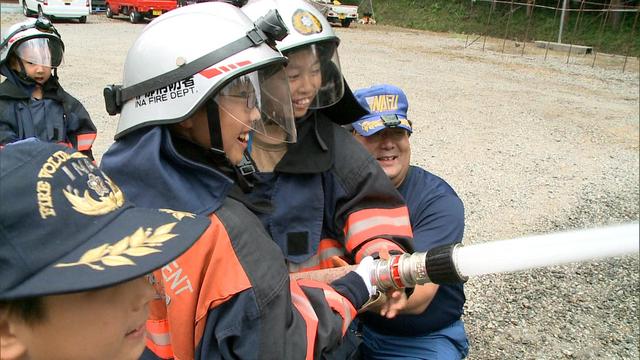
x=336 y=12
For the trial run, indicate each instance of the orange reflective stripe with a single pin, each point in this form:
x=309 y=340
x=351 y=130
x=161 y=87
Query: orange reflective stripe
x=372 y=223
x=305 y=308
x=342 y=306
x=375 y=246
x=158 y=338
x=337 y=302
x=327 y=249
x=85 y=141
x=65 y=143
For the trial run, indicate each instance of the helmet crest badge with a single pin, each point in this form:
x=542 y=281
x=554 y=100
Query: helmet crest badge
x=306 y=23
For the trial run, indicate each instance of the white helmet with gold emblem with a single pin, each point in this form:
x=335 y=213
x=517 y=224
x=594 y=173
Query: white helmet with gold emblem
x=309 y=31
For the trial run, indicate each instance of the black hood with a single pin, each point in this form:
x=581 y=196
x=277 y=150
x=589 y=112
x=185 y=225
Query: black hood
x=345 y=111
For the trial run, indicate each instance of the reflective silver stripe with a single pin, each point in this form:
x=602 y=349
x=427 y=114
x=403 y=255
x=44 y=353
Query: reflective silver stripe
x=347 y=317
x=85 y=142
x=316 y=259
x=303 y=302
x=331 y=252
x=346 y=309
x=159 y=339
x=372 y=222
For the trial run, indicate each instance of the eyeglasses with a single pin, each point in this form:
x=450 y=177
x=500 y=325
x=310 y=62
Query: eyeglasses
x=252 y=100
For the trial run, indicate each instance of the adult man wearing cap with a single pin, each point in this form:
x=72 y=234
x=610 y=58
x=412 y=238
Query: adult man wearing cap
x=430 y=326
x=73 y=255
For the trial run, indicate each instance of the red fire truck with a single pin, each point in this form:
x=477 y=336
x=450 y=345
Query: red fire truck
x=139 y=9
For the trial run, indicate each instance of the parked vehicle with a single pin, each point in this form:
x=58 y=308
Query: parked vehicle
x=98 y=5
x=139 y=9
x=57 y=9
x=335 y=12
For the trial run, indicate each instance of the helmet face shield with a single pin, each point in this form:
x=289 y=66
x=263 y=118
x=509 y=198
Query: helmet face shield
x=261 y=101
x=315 y=77
x=41 y=51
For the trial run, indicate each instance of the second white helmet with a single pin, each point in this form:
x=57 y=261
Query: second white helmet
x=311 y=46
x=35 y=40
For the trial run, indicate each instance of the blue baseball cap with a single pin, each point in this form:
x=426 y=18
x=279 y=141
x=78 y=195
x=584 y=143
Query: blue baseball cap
x=387 y=106
x=66 y=227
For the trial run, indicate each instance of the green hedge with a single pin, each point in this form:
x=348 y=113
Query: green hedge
x=465 y=16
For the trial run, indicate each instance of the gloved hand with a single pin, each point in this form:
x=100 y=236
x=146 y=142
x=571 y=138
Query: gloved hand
x=364 y=270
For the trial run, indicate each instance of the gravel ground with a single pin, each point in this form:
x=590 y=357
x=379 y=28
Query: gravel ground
x=531 y=146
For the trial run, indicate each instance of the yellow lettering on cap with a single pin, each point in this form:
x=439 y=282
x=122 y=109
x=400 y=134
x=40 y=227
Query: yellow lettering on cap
x=377 y=104
x=382 y=103
x=372 y=124
x=45 y=202
x=393 y=102
x=53 y=163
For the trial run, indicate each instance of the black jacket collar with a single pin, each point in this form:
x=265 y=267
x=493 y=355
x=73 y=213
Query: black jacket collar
x=313 y=152
x=13 y=88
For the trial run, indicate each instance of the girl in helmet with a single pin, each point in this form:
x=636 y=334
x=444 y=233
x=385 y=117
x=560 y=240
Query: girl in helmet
x=330 y=197
x=32 y=101
x=187 y=106
x=332 y=203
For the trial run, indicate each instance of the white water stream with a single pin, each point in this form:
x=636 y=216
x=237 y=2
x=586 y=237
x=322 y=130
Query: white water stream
x=547 y=250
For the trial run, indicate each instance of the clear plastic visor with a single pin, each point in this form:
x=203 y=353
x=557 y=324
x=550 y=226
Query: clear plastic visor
x=261 y=101
x=41 y=51
x=314 y=71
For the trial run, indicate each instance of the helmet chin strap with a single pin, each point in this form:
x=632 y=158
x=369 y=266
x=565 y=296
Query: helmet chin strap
x=215 y=130
x=27 y=80
x=22 y=75
x=240 y=176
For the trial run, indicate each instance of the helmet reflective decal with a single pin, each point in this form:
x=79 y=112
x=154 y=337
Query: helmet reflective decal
x=215 y=71
x=306 y=23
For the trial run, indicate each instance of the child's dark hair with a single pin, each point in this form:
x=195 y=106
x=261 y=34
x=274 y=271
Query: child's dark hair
x=12 y=58
x=29 y=310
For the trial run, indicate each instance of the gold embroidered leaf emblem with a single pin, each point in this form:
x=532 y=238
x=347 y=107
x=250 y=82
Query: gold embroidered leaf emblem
x=140 y=243
x=94 y=253
x=87 y=205
x=116 y=261
x=137 y=238
x=179 y=214
x=141 y=251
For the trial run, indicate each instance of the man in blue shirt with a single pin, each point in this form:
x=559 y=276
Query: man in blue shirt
x=430 y=326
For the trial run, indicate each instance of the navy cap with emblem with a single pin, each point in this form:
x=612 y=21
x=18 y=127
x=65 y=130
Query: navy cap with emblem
x=66 y=227
x=387 y=107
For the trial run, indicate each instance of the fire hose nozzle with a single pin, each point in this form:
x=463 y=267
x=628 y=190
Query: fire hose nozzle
x=454 y=263
x=408 y=270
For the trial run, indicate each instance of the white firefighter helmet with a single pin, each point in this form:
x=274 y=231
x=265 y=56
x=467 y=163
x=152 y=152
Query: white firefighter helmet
x=35 y=40
x=198 y=53
x=310 y=32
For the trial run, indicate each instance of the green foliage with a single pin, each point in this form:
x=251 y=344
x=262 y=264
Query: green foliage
x=512 y=22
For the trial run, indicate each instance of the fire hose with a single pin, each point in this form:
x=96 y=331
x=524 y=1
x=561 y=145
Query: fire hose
x=455 y=263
